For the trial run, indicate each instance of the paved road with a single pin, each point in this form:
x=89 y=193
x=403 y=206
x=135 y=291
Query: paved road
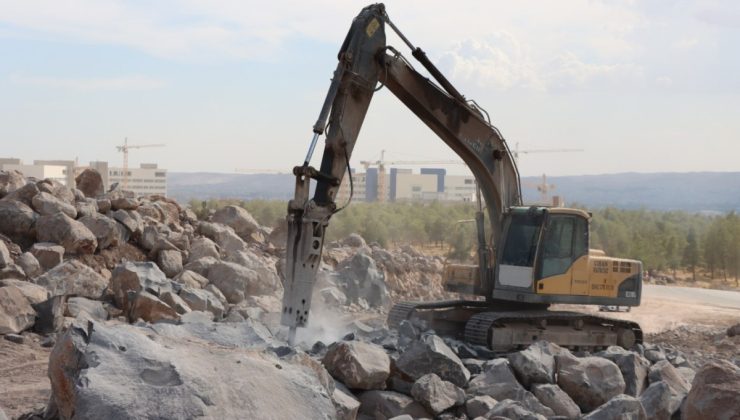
x=710 y=297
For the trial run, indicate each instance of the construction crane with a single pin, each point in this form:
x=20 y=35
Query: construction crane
x=382 y=163
x=254 y=171
x=516 y=152
x=124 y=149
x=544 y=188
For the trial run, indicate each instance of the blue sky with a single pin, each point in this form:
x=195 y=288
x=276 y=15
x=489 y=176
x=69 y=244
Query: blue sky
x=646 y=86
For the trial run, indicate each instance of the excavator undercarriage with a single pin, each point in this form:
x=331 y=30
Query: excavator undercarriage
x=506 y=326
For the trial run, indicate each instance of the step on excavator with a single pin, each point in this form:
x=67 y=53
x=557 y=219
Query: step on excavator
x=528 y=257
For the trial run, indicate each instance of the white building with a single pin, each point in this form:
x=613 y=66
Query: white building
x=57 y=170
x=459 y=188
x=147 y=179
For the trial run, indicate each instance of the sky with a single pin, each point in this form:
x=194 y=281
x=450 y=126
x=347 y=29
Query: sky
x=638 y=86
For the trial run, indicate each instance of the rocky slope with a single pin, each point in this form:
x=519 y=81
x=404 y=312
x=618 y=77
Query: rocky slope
x=151 y=313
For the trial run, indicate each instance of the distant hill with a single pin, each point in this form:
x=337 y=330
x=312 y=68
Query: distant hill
x=689 y=191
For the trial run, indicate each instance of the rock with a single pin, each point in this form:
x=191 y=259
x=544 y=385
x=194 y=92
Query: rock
x=130 y=220
x=201 y=265
x=104 y=205
x=90 y=182
x=12 y=271
x=33 y=292
x=92 y=308
x=623 y=407
x=733 y=330
x=480 y=405
x=552 y=396
x=150 y=308
x=268 y=280
x=359 y=278
x=17 y=221
x=388 y=404
x=16 y=313
x=498 y=381
x=687 y=373
x=10 y=181
x=48 y=254
x=73 y=278
x=133 y=277
x=5 y=259
x=119 y=202
x=49 y=315
x=715 y=393
x=431 y=355
x=14 y=338
x=590 y=381
x=191 y=279
x=202 y=300
x=634 y=369
x=224 y=236
x=203 y=247
x=233 y=280
x=170 y=262
x=105 y=229
x=175 y=302
x=536 y=364
x=664 y=371
x=332 y=297
x=358 y=365
x=30 y=265
x=656 y=400
x=24 y=194
x=354 y=240
x=46 y=204
x=75 y=237
x=238 y=219
x=513 y=410
x=57 y=189
x=654 y=355
x=346 y=403
x=435 y=394
x=172 y=371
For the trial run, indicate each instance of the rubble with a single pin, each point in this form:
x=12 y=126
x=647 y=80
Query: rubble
x=431 y=355
x=435 y=394
x=715 y=393
x=16 y=313
x=590 y=381
x=358 y=365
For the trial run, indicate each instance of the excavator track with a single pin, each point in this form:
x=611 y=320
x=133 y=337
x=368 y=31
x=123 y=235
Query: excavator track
x=507 y=330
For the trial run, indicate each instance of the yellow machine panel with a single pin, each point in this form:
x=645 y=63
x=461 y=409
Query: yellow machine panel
x=590 y=275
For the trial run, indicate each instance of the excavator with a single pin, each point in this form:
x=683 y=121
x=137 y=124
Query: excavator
x=530 y=258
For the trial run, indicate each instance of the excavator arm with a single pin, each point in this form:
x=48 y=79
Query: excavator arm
x=365 y=60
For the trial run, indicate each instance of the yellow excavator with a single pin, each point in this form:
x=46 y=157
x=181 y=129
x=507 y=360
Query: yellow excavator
x=530 y=258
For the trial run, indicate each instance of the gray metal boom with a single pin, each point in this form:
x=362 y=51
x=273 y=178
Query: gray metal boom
x=364 y=60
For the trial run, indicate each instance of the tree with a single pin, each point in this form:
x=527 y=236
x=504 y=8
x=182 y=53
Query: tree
x=692 y=253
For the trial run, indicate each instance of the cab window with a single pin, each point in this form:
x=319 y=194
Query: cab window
x=521 y=240
x=557 y=246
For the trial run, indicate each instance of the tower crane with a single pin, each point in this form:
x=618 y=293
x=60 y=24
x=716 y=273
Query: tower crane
x=124 y=149
x=517 y=151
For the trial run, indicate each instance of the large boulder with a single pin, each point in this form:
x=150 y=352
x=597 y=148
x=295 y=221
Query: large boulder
x=623 y=407
x=590 y=381
x=383 y=405
x=715 y=393
x=435 y=394
x=90 y=182
x=359 y=278
x=48 y=254
x=191 y=279
x=151 y=308
x=656 y=400
x=5 y=259
x=238 y=219
x=665 y=372
x=634 y=368
x=46 y=204
x=498 y=382
x=536 y=364
x=107 y=232
x=130 y=278
x=10 y=181
x=33 y=292
x=234 y=281
x=479 y=405
x=202 y=300
x=224 y=236
x=73 y=278
x=30 y=265
x=431 y=355
x=269 y=282
x=77 y=306
x=358 y=365
x=170 y=261
x=16 y=313
x=511 y=409
x=17 y=221
x=57 y=189
x=131 y=220
x=25 y=194
x=345 y=402
x=561 y=403
x=203 y=247
x=177 y=371
x=75 y=237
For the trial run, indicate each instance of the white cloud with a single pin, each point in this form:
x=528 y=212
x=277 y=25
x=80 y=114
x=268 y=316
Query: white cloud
x=113 y=83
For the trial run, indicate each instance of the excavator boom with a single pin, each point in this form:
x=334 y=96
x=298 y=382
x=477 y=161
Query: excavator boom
x=365 y=60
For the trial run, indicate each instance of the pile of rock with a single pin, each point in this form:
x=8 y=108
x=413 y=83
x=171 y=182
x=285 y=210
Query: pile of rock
x=112 y=255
